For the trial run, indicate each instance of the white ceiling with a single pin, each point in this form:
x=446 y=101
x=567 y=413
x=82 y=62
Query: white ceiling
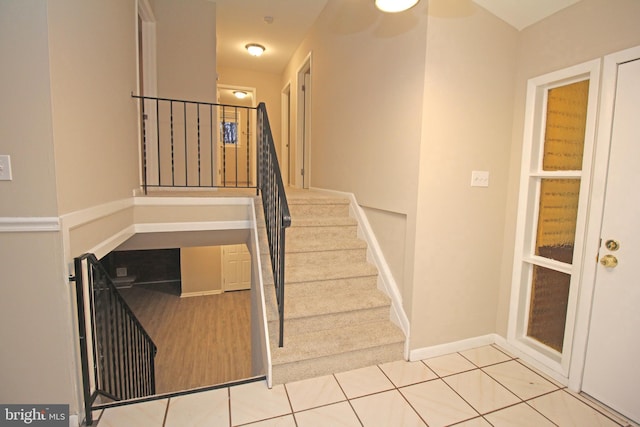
x=522 y=13
x=239 y=22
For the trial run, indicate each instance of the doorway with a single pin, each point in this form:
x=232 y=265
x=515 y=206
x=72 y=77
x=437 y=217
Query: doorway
x=147 y=86
x=286 y=134
x=235 y=156
x=612 y=296
x=303 y=125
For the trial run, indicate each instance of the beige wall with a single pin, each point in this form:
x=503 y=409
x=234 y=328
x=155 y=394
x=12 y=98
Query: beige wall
x=367 y=79
x=200 y=269
x=467 y=119
x=587 y=30
x=95 y=124
x=186 y=49
x=25 y=110
x=36 y=356
x=36 y=360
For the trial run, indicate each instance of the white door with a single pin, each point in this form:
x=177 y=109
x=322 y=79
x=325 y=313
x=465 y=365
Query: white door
x=611 y=372
x=236 y=268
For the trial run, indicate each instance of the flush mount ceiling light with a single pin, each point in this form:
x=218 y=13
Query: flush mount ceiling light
x=393 y=6
x=255 y=49
x=240 y=94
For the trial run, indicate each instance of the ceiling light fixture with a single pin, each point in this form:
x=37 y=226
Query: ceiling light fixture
x=255 y=49
x=394 y=6
x=240 y=94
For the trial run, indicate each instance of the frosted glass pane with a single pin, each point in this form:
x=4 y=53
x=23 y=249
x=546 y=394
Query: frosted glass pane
x=548 y=309
x=565 y=127
x=557 y=219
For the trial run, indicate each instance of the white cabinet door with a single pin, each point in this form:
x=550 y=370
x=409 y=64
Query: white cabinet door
x=236 y=268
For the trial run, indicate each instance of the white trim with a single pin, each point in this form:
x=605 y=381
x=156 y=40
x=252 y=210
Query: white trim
x=192 y=201
x=300 y=131
x=201 y=293
x=504 y=344
x=537 y=89
x=386 y=281
x=256 y=265
x=481 y=341
x=103 y=248
x=594 y=221
x=29 y=224
x=285 y=130
x=149 y=76
x=452 y=347
x=73 y=219
x=158 y=227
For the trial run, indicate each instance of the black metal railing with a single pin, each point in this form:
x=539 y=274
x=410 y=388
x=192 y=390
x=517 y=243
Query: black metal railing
x=179 y=140
x=112 y=340
x=276 y=209
x=191 y=144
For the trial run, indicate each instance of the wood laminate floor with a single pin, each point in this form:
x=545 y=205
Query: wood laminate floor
x=201 y=341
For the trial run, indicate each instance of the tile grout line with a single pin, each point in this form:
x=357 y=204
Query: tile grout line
x=525 y=401
x=166 y=413
x=293 y=413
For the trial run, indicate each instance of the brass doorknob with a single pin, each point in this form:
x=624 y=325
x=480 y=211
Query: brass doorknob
x=609 y=261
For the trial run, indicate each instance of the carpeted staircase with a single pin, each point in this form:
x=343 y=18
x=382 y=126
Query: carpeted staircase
x=336 y=319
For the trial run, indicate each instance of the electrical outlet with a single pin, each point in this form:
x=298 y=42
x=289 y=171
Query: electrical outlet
x=121 y=272
x=479 y=178
x=5 y=168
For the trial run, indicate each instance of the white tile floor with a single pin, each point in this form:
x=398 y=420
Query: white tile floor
x=475 y=388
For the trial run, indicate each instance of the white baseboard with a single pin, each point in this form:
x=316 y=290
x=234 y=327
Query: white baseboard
x=452 y=347
x=469 y=343
x=201 y=293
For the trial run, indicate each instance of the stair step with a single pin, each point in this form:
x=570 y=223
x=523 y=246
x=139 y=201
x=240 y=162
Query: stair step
x=319 y=210
x=342 y=362
x=330 y=297
x=326 y=259
x=302 y=325
x=306 y=273
x=315 y=241
x=314 y=345
x=323 y=221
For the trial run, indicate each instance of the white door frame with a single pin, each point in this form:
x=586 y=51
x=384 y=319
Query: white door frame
x=303 y=145
x=527 y=213
x=594 y=221
x=285 y=149
x=150 y=83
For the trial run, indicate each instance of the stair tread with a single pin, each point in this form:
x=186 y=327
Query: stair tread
x=323 y=221
x=327 y=200
x=317 y=241
x=311 y=273
x=336 y=341
x=317 y=303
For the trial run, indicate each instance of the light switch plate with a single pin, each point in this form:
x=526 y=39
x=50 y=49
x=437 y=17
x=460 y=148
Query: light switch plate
x=479 y=178
x=5 y=168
